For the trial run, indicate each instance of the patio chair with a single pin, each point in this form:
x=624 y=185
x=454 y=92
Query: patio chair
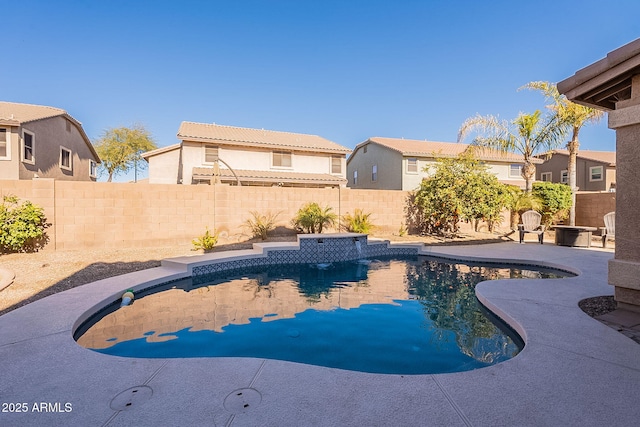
x=609 y=229
x=531 y=224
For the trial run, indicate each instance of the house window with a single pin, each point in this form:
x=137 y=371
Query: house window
x=355 y=177
x=545 y=176
x=281 y=159
x=4 y=144
x=28 y=147
x=210 y=154
x=93 y=169
x=68 y=126
x=595 y=173
x=65 y=159
x=374 y=173
x=336 y=165
x=412 y=165
x=564 y=176
x=364 y=150
x=515 y=171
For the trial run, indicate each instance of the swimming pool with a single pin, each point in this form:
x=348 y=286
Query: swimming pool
x=395 y=315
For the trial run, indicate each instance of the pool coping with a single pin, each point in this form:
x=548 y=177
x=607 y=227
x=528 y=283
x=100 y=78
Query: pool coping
x=545 y=384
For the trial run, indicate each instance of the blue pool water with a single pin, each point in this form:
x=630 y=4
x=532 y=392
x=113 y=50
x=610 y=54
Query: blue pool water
x=398 y=316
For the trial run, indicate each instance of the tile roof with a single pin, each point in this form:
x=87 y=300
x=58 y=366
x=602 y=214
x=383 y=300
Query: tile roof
x=160 y=150
x=412 y=147
x=24 y=113
x=608 y=157
x=255 y=175
x=16 y=114
x=206 y=132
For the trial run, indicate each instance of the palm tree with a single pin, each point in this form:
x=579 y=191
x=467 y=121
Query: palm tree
x=573 y=116
x=526 y=134
x=518 y=201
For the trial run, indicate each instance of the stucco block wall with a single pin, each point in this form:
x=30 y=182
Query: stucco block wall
x=591 y=207
x=111 y=215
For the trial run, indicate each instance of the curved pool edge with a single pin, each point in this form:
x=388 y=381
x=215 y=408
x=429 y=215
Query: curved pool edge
x=185 y=266
x=563 y=346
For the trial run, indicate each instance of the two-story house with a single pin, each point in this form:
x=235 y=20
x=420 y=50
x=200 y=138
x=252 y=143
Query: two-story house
x=595 y=170
x=210 y=153
x=399 y=164
x=37 y=141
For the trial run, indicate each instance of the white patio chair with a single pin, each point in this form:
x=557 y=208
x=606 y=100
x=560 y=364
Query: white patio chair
x=609 y=229
x=531 y=224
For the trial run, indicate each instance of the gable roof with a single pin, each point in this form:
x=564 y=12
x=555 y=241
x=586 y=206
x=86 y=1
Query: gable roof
x=608 y=157
x=205 y=132
x=418 y=148
x=160 y=150
x=16 y=114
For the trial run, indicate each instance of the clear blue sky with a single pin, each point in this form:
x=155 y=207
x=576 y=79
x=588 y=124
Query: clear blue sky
x=346 y=70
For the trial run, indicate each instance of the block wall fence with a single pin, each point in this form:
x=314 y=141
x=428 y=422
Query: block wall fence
x=114 y=215
x=117 y=215
x=591 y=207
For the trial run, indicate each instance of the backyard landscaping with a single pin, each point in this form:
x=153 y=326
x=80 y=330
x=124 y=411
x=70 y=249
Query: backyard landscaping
x=47 y=272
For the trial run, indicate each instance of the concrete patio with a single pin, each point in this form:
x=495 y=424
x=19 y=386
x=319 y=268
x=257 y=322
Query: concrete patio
x=574 y=370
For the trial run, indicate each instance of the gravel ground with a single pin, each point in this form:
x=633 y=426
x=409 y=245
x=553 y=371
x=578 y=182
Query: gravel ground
x=45 y=273
x=597 y=306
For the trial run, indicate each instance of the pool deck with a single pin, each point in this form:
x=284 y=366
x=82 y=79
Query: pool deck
x=573 y=371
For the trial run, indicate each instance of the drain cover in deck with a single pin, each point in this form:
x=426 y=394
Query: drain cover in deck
x=131 y=398
x=242 y=400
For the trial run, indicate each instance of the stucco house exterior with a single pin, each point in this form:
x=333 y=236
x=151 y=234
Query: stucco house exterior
x=210 y=153
x=37 y=141
x=398 y=164
x=595 y=170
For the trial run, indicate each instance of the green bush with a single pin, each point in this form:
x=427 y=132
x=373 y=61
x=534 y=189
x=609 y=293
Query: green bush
x=261 y=225
x=460 y=188
x=206 y=242
x=311 y=218
x=22 y=226
x=359 y=222
x=555 y=200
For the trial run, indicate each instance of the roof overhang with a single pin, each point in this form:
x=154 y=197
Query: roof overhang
x=158 y=151
x=605 y=84
x=205 y=173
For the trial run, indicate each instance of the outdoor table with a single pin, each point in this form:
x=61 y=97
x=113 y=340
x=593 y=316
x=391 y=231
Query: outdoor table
x=573 y=235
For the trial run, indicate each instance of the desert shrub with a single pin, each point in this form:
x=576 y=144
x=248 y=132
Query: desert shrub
x=206 y=242
x=261 y=225
x=359 y=222
x=459 y=189
x=22 y=226
x=555 y=200
x=311 y=218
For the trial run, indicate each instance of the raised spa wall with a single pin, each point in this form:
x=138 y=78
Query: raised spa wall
x=310 y=248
